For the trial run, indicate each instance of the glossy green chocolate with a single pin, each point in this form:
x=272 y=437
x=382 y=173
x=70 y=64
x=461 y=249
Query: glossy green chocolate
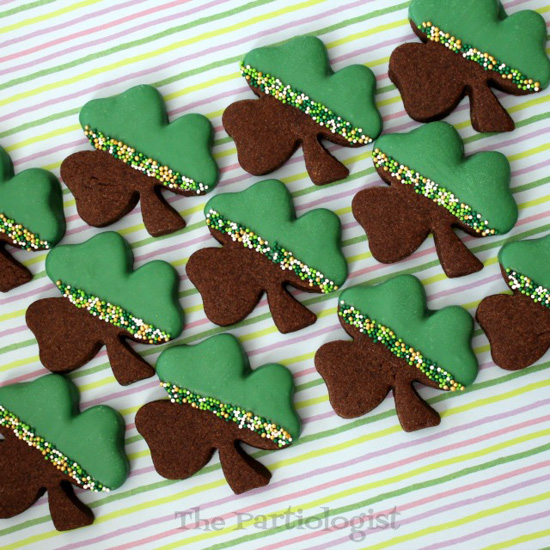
x=103 y=266
x=443 y=336
x=218 y=367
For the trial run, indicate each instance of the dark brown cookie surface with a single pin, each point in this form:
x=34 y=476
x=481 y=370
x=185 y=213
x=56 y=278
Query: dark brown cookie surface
x=69 y=337
x=106 y=190
x=397 y=221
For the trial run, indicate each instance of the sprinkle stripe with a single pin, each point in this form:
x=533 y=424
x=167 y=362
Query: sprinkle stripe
x=538 y=293
x=230 y=413
x=21 y=236
x=113 y=314
x=50 y=453
x=431 y=190
x=273 y=251
x=385 y=336
x=320 y=113
x=142 y=163
x=485 y=60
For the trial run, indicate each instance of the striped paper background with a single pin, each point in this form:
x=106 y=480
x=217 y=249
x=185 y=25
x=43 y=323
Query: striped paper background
x=482 y=478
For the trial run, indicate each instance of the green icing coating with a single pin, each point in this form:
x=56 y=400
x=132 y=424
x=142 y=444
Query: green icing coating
x=93 y=438
x=303 y=64
x=518 y=40
x=138 y=118
x=102 y=266
x=267 y=209
x=218 y=367
x=482 y=180
x=33 y=199
x=443 y=336
x=530 y=257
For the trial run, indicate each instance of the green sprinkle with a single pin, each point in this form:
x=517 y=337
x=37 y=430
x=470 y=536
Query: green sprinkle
x=431 y=190
x=138 y=161
x=271 y=85
x=526 y=285
x=483 y=59
x=274 y=252
x=383 y=335
x=113 y=314
x=21 y=236
x=230 y=413
x=25 y=433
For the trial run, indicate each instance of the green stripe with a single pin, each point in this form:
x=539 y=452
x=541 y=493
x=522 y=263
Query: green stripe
x=387 y=496
x=133 y=43
x=364 y=421
x=25 y=7
x=199 y=70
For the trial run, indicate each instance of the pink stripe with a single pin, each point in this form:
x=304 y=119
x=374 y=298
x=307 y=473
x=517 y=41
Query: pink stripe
x=104 y=40
x=465 y=504
x=181 y=60
x=469 y=286
x=320 y=471
x=494 y=528
x=85 y=32
x=333 y=483
x=65 y=25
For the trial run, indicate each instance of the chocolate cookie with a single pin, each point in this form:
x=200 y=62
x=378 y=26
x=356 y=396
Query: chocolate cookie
x=266 y=248
x=518 y=325
x=217 y=402
x=396 y=341
x=302 y=101
x=104 y=302
x=137 y=154
x=434 y=188
x=469 y=47
x=31 y=217
x=50 y=446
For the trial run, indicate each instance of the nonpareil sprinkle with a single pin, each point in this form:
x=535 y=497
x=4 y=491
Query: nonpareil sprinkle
x=431 y=190
x=21 y=236
x=49 y=452
x=485 y=60
x=383 y=335
x=230 y=413
x=111 y=313
x=138 y=161
x=321 y=114
x=538 y=293
x=279 y=255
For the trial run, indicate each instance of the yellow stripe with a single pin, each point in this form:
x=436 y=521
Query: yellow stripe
x=369 y=32
x=236 y=75
x=462 y=521
x=159 y=51
x=47 y=16
x=519 y=540
x=320 y=452
x=43 y=137
x=371 y=486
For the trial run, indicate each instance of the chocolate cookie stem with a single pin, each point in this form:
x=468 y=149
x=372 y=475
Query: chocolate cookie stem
x=455 y=257
x=397 y=220
x=360 y=373
x=433 y=80
x=106 y=189
x=26 y=476
x=267 y=133
x=242 y=472
x=69 y=337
